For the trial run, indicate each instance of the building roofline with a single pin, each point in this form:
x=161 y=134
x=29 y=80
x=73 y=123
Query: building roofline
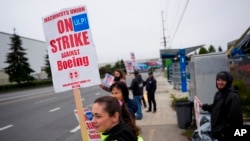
x=22 y=37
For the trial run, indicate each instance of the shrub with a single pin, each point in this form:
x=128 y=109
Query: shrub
x=178 y=99
x=244 y=92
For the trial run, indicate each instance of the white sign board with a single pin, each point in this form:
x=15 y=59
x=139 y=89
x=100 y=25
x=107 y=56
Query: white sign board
x=71 y=50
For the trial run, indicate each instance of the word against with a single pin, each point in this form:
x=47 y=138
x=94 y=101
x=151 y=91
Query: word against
x=240 y=132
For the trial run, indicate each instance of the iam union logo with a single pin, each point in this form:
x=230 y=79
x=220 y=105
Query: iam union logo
x=73 y=75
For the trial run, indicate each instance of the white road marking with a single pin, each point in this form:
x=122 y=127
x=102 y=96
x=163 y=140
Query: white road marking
x=75 y=129
x=45 y=100
x=6 y=127
x=53 y=110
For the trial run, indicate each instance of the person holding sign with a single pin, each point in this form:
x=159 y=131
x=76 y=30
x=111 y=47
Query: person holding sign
x=118 y=76
x=226 y=114
x=112 y=119
x=121 y=92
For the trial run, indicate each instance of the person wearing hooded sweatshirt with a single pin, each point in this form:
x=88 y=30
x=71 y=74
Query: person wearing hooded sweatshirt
x=137 y=90
x=226 y=114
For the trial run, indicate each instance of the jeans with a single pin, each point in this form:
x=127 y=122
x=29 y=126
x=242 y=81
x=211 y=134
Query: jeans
x=137 y=100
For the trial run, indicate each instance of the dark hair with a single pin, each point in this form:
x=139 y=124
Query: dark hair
x=112 y=105
x=136 y=72
x=122 y=74
x=123 y=87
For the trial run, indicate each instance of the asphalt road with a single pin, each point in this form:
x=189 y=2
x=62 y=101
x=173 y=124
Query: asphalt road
x=40 y=114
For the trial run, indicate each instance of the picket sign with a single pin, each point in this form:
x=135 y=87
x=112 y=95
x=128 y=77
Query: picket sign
x=87 y=116
x=72 y=55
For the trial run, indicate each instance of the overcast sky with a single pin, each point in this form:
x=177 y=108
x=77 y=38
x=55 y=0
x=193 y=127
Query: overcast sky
x=123 y=26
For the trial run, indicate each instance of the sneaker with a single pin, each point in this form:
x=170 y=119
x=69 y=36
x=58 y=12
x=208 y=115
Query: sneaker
x=148 y=111
x=154 y=111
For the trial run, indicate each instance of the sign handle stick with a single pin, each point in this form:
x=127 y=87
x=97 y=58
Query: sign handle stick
x=79 y=107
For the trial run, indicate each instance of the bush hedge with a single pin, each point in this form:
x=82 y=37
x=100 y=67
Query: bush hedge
x=27 y=85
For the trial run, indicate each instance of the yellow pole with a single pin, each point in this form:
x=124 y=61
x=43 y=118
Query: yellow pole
x=79 y=108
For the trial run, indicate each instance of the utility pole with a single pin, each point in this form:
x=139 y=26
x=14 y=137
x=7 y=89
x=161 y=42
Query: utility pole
x=163 y=28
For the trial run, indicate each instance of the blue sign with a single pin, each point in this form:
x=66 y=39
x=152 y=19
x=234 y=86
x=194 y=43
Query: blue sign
x=89 y=115
x=80 y=22
x=183 y=70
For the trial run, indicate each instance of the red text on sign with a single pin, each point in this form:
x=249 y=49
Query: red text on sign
x=65 y=25
x=69 y=41
x=70 y=53
x=57 y=15
x=94 y=136
x=73 y=62
x=77 y=10
x=90 y=125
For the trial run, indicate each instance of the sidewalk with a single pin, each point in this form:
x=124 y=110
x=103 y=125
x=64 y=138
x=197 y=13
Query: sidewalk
x=162 y=125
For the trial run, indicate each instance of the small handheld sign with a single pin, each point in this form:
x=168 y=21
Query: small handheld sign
x=108 y=80
x=72 y=54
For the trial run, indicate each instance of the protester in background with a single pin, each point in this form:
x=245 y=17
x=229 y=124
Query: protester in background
x=112 y=119
x=226 y=114
x=137 y=90
x=151 y=88
x=119 y=75
x=121 y=92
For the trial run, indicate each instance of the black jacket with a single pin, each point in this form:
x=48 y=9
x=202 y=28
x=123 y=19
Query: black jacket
x=137 y=85
x=226 y=114
x=121 y=132
x=150 y=84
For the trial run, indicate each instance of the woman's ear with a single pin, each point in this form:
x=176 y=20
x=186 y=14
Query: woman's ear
x=115 y=117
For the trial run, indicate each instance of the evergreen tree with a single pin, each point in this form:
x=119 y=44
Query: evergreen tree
x=220 y=49
x=211 y=49
x=123 y=65
x=119 y=65
x=203 y=50
x=47 y=66
x=19 y=69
